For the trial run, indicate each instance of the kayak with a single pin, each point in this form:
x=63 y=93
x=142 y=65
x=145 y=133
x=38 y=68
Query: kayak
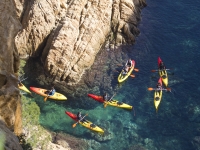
x=162 y=73
x=22 y=87
x=111 y=102
x=40 y=91
x=158 y=95
x=85 y=123
x=122 y=77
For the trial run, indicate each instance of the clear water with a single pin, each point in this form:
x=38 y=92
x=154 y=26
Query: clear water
x=169 y=29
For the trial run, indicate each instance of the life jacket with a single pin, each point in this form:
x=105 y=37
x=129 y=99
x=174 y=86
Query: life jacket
x=52 y=92
x=79 y=116
x=105 y=97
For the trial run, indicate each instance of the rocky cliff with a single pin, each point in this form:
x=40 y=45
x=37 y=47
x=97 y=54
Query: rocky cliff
x=68 y=34
x=10 y=105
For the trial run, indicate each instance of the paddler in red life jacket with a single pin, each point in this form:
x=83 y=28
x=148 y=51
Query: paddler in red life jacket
x=162 y=66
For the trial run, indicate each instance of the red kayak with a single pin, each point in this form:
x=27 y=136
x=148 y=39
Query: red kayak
x=85 y=123
x=111 y=102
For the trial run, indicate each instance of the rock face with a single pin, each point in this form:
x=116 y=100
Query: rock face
x=10 y=105
x=69 y=34
x=11 y=141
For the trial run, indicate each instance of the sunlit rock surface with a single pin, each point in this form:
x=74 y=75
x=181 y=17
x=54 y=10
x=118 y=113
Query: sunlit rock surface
x=69 y=34
x=10 y=104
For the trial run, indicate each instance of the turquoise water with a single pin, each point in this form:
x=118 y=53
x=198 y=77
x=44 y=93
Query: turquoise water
x=169 y=29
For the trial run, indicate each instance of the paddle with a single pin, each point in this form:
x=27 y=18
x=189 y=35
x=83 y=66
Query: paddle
x=106 y=102
x=135 y=69
x=45 y=98
x=23 y=79
x=74 y=125
x=159 y=70
x=151 y=89
x=132 y=75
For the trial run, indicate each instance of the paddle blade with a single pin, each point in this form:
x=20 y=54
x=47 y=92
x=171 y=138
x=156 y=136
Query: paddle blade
x=136 y=70
x=74 y=125
x=132 y=75
x=169 y=89
x=105 y=104
x=154 y=70
x=45 y=99
x=120 y=65
x=150 y=89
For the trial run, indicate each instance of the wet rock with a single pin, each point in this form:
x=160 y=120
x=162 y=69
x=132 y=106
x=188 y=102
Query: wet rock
x=196 y=142
x=68 y=141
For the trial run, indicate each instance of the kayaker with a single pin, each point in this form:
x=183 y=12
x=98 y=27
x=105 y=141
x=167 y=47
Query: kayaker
x=105 y=97
x=129 y=63
x=79 y=117
x=162 y=66
x=51 y=92
x=159 y=87
x=125 y=70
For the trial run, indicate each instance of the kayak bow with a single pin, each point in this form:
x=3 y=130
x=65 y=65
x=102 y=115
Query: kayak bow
x=114 y=103
x=40 y=91
x=22 y=87
x=85 y=123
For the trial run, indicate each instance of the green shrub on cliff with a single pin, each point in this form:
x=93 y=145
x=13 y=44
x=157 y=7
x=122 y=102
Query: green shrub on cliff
x=2 y=140
x=37 y=135
x=30 y=111
x=22 y=64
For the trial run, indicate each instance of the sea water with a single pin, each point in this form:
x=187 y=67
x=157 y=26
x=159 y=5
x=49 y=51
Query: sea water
x=169 y=29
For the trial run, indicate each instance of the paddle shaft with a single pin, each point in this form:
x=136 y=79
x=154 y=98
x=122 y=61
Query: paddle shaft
x=23 y=79
x=111 y=97
x=79 y=120
x=159 y=70
x=150 y=89
x=106 y=102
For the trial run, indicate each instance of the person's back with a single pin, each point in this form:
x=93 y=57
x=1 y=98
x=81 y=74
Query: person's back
x=129 y=63
x=105 y=96
x=162 y=66
x=52 y=91
x=79 y=117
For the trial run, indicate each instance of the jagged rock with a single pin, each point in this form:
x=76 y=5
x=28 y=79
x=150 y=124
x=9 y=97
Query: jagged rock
x=11 y=141
x=69 y=142
x=10 y=105
x=69 y=34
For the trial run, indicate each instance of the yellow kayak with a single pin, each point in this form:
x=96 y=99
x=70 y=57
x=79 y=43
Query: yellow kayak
x=56 y=96
x=163 y=73
x=158 y=96
x=85 y=123
x=111 y=102
x=122 y=77
x=22 y=87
